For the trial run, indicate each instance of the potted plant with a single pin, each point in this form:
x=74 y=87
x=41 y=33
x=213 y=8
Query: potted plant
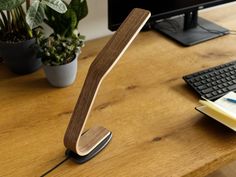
x=60 y=50
x=17 y=37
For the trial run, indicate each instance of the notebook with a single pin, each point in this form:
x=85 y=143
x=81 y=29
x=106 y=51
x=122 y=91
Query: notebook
x=223 y=109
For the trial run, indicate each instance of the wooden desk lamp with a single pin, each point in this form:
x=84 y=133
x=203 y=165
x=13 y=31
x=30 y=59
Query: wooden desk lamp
x=83 y=146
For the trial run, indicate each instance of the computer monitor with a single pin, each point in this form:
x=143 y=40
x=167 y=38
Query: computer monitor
x=178 y=19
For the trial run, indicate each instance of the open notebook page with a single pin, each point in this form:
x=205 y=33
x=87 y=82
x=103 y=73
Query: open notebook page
x=222 y=105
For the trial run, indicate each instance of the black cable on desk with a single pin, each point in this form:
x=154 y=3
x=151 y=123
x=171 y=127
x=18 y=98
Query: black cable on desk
x=49 y=171
x=231 y=32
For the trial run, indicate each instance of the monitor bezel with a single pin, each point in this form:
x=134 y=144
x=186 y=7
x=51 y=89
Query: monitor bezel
x=155 y=17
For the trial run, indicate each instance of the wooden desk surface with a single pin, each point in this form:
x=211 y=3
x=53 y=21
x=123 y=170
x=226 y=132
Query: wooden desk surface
x=143 y=101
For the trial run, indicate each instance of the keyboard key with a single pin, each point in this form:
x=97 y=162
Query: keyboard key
x=209 y=95
x=225 y=84
x=232 y=87
x=207 y=90
x=215 y=87
x=233 y=77
x=225 y=90
x=202 y=87
x=197 y=84
x=214 y=93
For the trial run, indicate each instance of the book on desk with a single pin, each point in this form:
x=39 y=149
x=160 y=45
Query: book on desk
x=223 y=109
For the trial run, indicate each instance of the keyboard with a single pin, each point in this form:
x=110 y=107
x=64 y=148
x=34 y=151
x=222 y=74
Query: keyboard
x=214 y=82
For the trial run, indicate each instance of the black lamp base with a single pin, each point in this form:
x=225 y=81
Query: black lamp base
x=82 y=159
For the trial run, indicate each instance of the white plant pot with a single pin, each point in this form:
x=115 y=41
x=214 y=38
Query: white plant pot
x=62 y=75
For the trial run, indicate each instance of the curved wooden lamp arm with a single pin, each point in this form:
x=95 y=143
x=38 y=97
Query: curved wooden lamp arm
x=103 y=63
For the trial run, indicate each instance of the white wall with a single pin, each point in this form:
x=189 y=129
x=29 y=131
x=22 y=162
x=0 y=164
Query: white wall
x=95 y=24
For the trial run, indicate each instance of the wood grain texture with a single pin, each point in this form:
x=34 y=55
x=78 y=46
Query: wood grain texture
x=100 y=67
x=152 y=136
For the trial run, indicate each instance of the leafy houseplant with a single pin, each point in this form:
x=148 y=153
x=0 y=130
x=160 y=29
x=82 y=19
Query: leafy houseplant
x=17 y=37
x=59 y=51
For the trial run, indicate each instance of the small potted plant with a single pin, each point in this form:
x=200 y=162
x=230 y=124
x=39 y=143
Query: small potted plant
x=60 y=50
x=17 y=37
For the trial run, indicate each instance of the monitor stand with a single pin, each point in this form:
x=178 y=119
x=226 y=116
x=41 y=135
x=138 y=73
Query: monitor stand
x=190 y=29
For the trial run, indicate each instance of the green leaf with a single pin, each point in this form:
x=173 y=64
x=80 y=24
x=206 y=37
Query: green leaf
x=57 y=5
x=69 y=22
x=2 y=26
x=35 y=14
x=4 y=18
x=10 y=4
x=62 y=24
x=80 y=7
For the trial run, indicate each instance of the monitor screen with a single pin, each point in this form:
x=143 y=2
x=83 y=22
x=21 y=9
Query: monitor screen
x=119 y=9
